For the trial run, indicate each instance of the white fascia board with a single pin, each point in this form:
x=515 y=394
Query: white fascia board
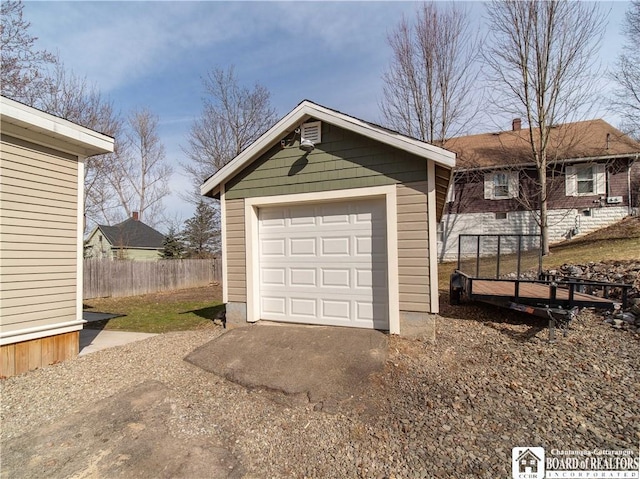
x=306 y=110
x=83 y=141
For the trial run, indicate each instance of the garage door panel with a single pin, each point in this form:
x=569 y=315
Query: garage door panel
x=272 y=218
x=303 y=307
x=335 y=246
x=325 y=263
x=274 y=276
x=334 y=277
x=272 y=247
x=302 y=247
x=303 y=276
x=274 y=305
x=336 y=309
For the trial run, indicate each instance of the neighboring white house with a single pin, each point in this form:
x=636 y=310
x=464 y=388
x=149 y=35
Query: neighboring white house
x=41 y=235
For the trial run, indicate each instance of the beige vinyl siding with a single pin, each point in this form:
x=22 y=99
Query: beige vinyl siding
x=413 y=247
x=342 y=160
x=236 y=251
x=38 y=235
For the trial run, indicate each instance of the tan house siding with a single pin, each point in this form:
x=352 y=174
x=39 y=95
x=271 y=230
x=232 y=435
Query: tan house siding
x=413 y=247
x=236 y=251
x=38 y=229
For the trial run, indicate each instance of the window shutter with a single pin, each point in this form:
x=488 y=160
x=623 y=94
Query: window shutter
x=488 y=186
x=514 y=184
x=451 y=192
x=312 y=131
x=600 y=179
x=570 y=181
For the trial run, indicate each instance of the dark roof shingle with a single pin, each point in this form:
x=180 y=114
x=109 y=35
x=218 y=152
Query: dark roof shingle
x=132 y=234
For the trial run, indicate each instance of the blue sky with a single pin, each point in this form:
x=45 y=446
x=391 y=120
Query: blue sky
x=154 y=54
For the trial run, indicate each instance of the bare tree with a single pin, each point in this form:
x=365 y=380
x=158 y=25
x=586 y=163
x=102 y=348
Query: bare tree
x=22 y=75
x=428 y=87
x=234 y=116
x=627 y=74
x=73 y=98
x=140 y=176
x=541 y=60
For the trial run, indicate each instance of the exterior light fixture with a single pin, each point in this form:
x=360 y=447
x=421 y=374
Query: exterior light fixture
x=306 y=145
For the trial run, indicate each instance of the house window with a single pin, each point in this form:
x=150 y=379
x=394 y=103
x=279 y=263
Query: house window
x=500 y=185
x=440 y=233
x=501 y=216
x=585 y=180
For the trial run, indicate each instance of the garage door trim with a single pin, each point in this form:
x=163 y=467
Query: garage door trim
x=252 y=206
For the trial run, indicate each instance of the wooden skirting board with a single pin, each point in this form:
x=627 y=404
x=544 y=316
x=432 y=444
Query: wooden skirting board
x=21 y=357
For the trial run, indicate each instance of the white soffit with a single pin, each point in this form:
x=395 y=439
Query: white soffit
x=307 y=110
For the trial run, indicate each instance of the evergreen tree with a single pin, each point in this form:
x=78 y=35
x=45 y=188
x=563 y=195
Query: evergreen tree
x=172 y=246
x=202 y=232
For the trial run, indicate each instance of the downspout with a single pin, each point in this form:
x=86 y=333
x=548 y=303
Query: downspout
x=630 y=164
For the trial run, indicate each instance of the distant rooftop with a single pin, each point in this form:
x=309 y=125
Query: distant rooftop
x=584 y=139
x=133 y=233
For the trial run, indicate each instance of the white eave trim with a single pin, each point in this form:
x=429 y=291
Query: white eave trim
x=83 y=141
x=306 y=110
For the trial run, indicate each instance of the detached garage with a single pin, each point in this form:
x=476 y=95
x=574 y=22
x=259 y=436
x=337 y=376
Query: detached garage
x=330 y=220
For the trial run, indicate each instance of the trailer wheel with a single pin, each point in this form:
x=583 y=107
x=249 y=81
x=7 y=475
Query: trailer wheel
x=454 y=295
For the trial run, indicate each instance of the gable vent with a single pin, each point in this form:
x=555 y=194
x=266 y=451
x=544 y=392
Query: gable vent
x=312 y=131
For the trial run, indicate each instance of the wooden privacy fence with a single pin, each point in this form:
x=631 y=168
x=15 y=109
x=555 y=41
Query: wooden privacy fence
x=118 y=278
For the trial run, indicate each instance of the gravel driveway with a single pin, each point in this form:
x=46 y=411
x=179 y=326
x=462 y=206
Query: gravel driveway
x=453 y=409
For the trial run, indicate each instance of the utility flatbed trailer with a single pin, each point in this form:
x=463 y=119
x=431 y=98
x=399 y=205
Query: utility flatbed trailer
x=478 y=277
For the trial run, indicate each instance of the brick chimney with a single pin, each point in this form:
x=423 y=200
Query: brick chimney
x=135 y=216
x=516 y=124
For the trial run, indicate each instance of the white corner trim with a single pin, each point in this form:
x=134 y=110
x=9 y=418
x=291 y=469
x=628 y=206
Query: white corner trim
x=393 y=284
x=28 y=334
x=433 y=240
x=252 y=266
x=251 y=209
x=223 y=240
x=80 y=240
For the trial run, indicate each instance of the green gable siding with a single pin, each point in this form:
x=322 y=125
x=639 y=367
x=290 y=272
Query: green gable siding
x=342 y=160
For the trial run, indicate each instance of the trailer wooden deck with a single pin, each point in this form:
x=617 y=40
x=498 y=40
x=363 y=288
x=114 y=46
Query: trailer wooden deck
x=533 y=293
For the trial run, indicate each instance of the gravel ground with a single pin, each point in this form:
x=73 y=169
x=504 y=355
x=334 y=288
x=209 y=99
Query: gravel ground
x=453 y=409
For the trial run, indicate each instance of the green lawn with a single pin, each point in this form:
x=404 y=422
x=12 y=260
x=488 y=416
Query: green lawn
x=159 y=313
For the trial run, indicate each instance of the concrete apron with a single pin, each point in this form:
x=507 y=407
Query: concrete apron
x=317 y=364
x=92 y=340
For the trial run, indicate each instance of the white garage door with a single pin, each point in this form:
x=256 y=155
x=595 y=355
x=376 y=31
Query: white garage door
x=325 y=264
